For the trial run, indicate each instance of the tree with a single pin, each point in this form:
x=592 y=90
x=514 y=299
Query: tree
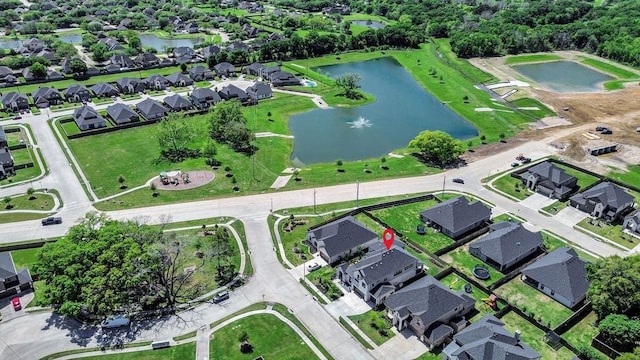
x=183 y=67
x=174 y=135
x=38 y=70
x=349 y=82
x=30 y=192
x=615 y=285
x=209 y=149
x=99 y=52
x=619 y=331
x=78 y=66
x=436 y=147
x=221 y=251
x=121 y=181
x=227 y=125
x=7 y=202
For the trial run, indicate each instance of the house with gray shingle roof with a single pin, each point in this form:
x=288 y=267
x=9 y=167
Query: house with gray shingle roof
x=87 y=118
x=340 y=239
x=283 y=78
x=253 y=69
x=103 y=89
x=151 y=109
x=632 y=222
x=605 y=201
x=157 y=82
x=45 y=97
x=259 y=91
x=5 y=71
x=225 y=69
x=131 y=85
x=122 y=114
x=506 y=245
x=77 y=93
x=457 y=217
x=561 y=274
x=177 y=102
x=15 y=101
x=179 y=79
x=12 y=281
x=430 y=310
x=379 y=273
x=549 y=180
x=146 y=60
x=203 y=98
x=3 y=138
x=487 y=339
x=54 y=75
x=209 y=50
x=231 y=91
x=6 y=163
x=200 y=73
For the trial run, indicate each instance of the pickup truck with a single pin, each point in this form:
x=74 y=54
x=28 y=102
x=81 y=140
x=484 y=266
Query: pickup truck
x=51 y=221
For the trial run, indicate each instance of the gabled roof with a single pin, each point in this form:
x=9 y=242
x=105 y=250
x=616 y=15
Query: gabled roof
x=103 y=88
x=456 y=214
x=7 y=267
x=486 y=339
x=150 y=106
x=255 y=67
x=507 y=241
x=342 y=235
x=260 y=88
x=3 y=136
x=549 y=171
x=177 y=101
x=210 y=50
x=121 y=113
x=178 y=77
x=183 y=51
x=224 y=66
x=635 y=216
x=86 y=115
x=229 y=91
x=562 y=271
x=198 y=70
x=74 y=89
x=4 y=71
x=428 y=299
x=377 y=265
x=124 y=82
x=155 y=77
x=605 y=193
x=45 y=92
x=203 y=94
x=10 y=97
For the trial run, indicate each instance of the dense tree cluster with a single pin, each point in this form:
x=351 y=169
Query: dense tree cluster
x=436 y=147
x=615 y=285
x=227 y=125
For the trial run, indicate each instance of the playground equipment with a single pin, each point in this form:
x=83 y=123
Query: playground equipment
x=491 y=301
x=481 y=272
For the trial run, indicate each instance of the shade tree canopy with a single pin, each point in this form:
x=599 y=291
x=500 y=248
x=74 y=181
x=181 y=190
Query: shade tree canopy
x=615 y=285
x=436 y=147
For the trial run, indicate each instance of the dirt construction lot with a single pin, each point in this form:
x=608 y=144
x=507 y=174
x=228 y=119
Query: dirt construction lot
x=618 y=110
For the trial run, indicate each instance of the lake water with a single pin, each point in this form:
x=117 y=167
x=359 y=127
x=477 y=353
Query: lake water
x=564 y=76
x=370 y=24
x=6 y=43
x=160 y=44
x=402 y=110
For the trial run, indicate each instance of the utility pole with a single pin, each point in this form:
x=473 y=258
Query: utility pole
x=357 y=192
x=444 y=180
x=314 y=201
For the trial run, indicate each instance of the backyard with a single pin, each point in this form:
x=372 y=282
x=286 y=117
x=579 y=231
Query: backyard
x=457 y=283
x=375 y=324
x=269 y=337
x=465 y=262
x=534 y=337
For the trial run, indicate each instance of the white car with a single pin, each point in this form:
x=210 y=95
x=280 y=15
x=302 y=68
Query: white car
x=115 y=322
x=313 y=267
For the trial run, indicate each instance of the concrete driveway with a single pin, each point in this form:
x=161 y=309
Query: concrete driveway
x=537 y=201
x=571 y=216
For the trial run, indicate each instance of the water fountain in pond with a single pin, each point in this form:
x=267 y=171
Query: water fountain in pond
x=360 y=123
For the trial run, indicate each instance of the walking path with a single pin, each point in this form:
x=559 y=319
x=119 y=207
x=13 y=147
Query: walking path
x=317 y=99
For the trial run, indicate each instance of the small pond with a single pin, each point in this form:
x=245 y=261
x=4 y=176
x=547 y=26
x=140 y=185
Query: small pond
x=71 y=38
x=564 y=76
x=160 y=44
x=402 y=110
x=369 y=23
x=6 y=43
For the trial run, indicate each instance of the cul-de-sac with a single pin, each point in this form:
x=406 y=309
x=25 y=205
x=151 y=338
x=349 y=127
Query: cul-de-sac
x=325 y=179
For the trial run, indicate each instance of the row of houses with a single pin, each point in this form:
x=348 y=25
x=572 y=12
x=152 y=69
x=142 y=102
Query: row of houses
x=6 y=159
x=87 y=118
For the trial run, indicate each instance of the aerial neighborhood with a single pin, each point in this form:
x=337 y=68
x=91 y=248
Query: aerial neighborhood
x=412 y=180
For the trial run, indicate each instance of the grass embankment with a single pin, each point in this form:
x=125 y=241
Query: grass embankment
x=630 y=176
x=530 y=58
x=528 y=103
x=269 y=336
x=623 y=75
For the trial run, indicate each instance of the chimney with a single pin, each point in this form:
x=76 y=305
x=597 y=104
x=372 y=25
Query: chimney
x=517 y=336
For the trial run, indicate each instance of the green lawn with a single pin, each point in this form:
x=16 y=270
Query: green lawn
x=270 y=338
x=512 y=186
x=465 y=262
x=41 y=202
x=552 y=242
x=322 y=279
x=22 y=156
x=375 y=324
x=610 y=68
x=534 y=337
x=25 y=257
x=556 y=207
x=582 y=332
x=529 y=58
x=405 y=218
x=355 y=334
x=631 y=176
x=584 y=180
x=611 y=232
x=456 y=283
x=531 y=103
x=531 y=301
x=507 y=217
x=16 y=217
x=432 y=268
x=285 y=312
x=180 y=352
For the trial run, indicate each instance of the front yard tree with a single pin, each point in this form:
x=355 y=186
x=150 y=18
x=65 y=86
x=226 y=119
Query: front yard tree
x=221 y=251
x=615 y=285
x=436 y=147
x=349 y=82
x=38 y=70
x=78 y=66
x=174 y=135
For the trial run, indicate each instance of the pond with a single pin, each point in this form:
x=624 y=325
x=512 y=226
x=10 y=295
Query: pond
x=71 y=38
x=402 y=110
x=369 y=23
x=160 y=44
x=6 y=43
x=564 y=76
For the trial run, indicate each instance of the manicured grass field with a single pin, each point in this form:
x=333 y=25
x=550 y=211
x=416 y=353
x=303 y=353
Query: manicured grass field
x=531 y=301
x=375 y=324
x=512 y=186
x=556 y=207
x=534 y=337
x=270 y=337
x=610 y=68
x=528 y=102
x=520 y=59
x=285 y=312
x=179 y=352
x=582 y=332
x=631 y=176
x=584 y=180
x=465 y=262
x=41 y=202
x=611 y=232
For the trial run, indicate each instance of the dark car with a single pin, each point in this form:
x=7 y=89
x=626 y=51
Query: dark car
x=220 y=297
x=458 y=180
x=51 y=221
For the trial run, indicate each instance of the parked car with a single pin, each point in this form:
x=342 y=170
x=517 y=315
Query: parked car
x=313 y=267
x=17 y=306
x=458 y=180
x=18 y=117
x=51 y=221
x=220 y=297
x=515 y=164
x=115 y=322
x=526 y=160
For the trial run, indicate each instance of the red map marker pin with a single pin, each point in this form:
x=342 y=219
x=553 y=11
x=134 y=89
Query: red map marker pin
x=388 y=236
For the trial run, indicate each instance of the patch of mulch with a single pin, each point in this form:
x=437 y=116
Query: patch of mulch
x=196 y=179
